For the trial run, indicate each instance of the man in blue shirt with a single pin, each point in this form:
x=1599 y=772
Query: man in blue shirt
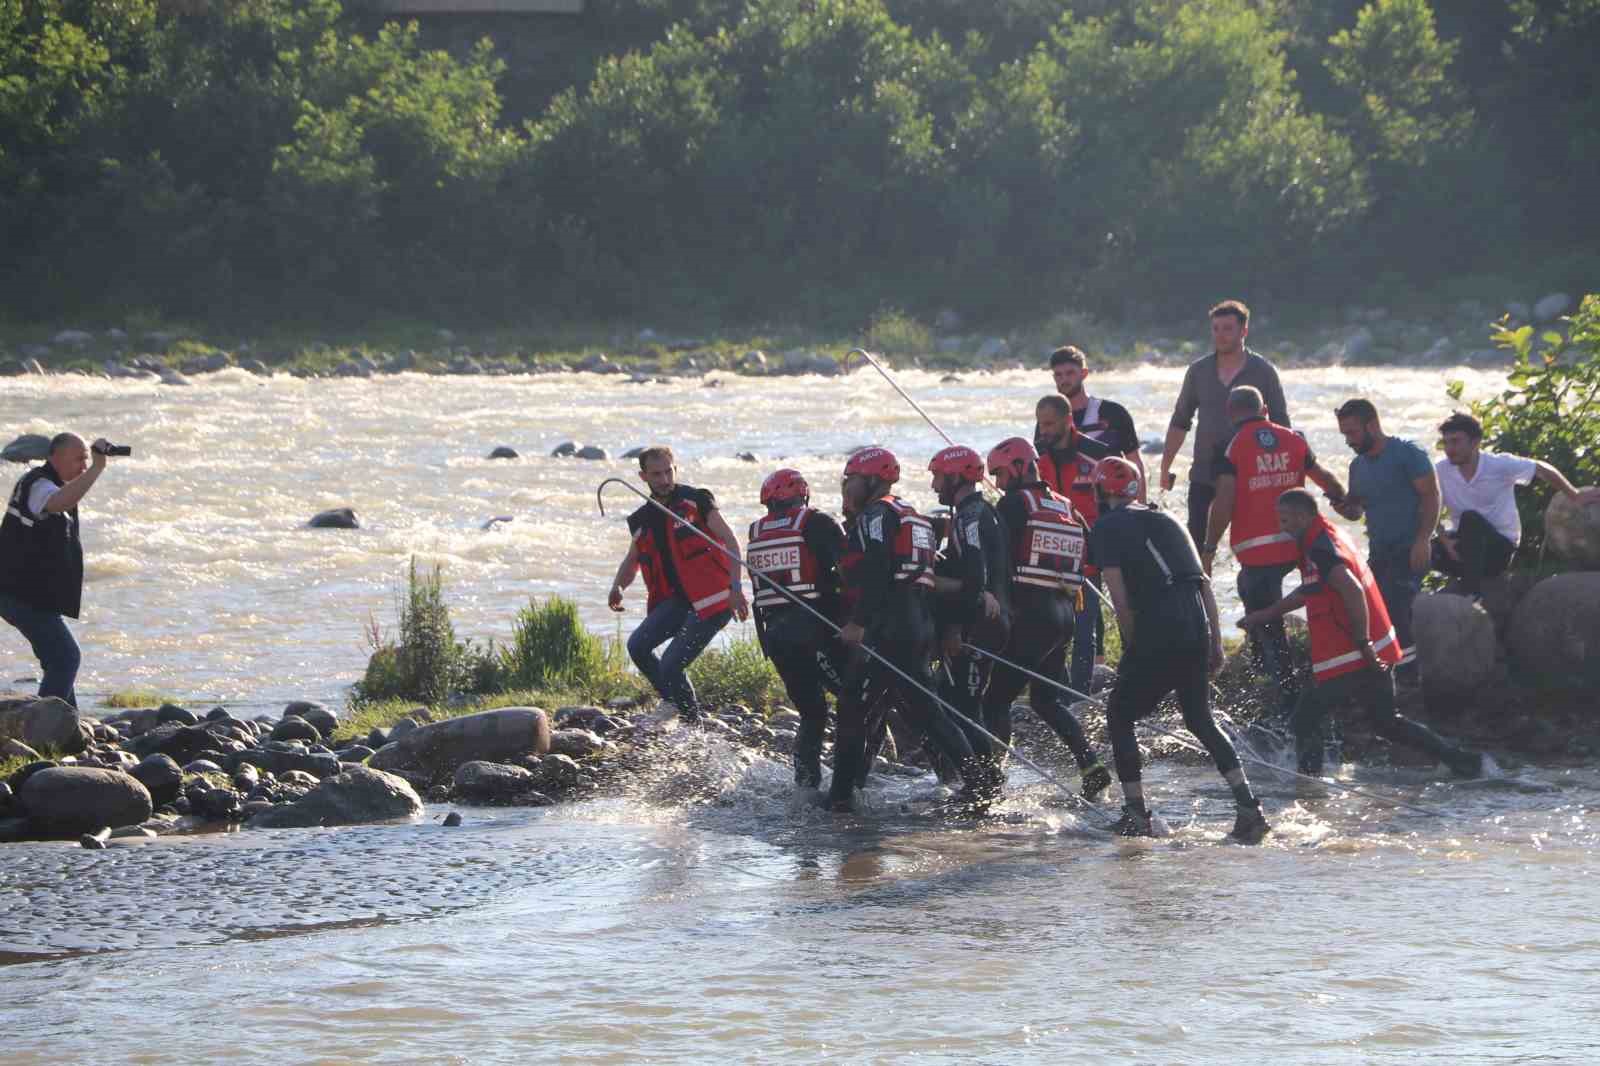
x=1392 y=483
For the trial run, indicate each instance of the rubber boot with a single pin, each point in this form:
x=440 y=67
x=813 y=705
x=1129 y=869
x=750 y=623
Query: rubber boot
x=1250 y=825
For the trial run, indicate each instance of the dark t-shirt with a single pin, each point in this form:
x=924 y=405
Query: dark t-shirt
x=652 y=518
x=1324 y=560
x=1152 y=549
x=1112 y=427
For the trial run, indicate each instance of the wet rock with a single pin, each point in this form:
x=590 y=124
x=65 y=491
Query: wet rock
x=377 y=738
x=133 y=832
x=28 y=448
x=492 y=736
x=322 y=719
x=577 y=717
x=171 y=712
x=293 y=727
x=576 y=743
x=356 y=753
x=556 y=773
x=354 y=797
x=1555 y=631
x=13 y=829
x=504 y=452
x=95 y=841
x=1552 y=307
x=336 y=518
x=41 y=724
x=256 y=367
x=748 y=457
x=489 y=781
x=564 y=449
x=634 y=452
x=281 y=762
x=452 y=820
x=1456 y=645
x=65 y=800
x=169 y=376
x=218 y=804
x=1573 y=530
x=185 y=744
x=404 y=726
x=596 y=363
x=209 y=363
x=16 y=749
x=160 y=776
x=592 y=451
x=202 y=766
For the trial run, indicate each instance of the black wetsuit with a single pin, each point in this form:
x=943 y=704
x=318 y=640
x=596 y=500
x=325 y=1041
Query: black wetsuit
x=1171 y=642
x=805 y=650
x=1042 y=622
x=978 y=555
x=898 y=621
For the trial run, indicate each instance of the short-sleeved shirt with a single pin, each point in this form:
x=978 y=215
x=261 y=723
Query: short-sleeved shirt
x=1204 y=393
x=1384 y=485
x=1491 y=492
x=1112 y=425
x=1152 y=549
x=40 y=495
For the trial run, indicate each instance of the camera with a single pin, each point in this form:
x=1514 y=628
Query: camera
x=114 y=449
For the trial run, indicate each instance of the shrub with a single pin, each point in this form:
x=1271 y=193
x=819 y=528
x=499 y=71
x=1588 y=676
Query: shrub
x=550 y=649
x=1550 y=410
x=427 y=663
x=738 y=673
x=894 y=332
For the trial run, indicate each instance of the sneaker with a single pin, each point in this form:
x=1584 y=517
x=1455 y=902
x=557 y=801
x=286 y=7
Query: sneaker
x=1250 y=825
x=1466 y=763
x=1096 y=779
x=1135 y=822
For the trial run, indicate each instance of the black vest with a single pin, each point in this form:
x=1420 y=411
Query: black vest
x=41 y=557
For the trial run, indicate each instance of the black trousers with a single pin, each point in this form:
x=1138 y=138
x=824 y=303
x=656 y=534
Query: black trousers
x=1170 y=652
x=1374 y=691
x=904 y=637
x=1483 y=552
x=965 y=676
x=1262 y=586
x=1038 y=642
x=810 y=659
x=1200 y=497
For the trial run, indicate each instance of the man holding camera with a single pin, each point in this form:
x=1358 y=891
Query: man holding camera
x=41 y=556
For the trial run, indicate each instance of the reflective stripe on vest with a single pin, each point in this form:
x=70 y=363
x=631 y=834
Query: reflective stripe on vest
x=1352 y=656
x=1261 y=542
x=1334 y=648
x=1267 y=459
x=1048 y=551
x=914 y=545
x=777 y=550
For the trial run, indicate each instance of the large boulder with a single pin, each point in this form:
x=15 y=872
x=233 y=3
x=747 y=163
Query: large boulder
x=28 y=448
x=161 y=777
x=494 y=736
x=1573 y=530
x=1456 y=646
x=46 y=723
x=1555 y=632
x=68 y=800
x=317 y=714
x=480 y=780
x=354 y=797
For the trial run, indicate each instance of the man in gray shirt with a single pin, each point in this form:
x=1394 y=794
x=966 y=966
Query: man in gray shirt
x=1205 y=390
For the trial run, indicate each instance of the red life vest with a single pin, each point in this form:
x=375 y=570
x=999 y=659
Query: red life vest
x=915 y=544
x=1267 y=459
x=703 y=570
x=1047 y=551
x=1075 y=482
x=777 y=549
x=1333 y=647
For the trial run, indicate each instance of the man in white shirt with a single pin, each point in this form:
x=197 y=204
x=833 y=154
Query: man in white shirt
x=1478 y=489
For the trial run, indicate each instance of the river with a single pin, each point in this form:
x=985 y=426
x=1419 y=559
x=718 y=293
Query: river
x=744 y=926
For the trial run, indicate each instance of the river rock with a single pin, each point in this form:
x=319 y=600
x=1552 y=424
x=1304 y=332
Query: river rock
x=95 y=841
x=281 y=762
x=171 y=712
x=564 y=449
x=493 y=736
x=321 y=718
x=161 y=777
x=1555 y=631
x=354 y=797
x=592 y=451
x=28 y=448
x=483 y=780
x=66 y=800
x=337 y=518
x=556 y=773
x=1573 y=530
x=209 y=363
x=293 y=727
x=16 y=749
x=504 y=452
x=576 y=743
x=43 y=723
x=1552 y=307
x=1456 y=645
x=73 y=337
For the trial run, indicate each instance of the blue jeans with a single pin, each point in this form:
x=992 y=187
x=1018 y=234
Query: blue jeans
x=1391 y=568
x=674 y=620
x=1087 y=636
x=52 y=645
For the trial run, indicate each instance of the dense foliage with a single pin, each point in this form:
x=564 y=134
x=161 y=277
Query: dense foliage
x=1549 y=410
x=259 y=160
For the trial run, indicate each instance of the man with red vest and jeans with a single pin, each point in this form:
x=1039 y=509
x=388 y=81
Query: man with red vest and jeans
x=1353 y=643
x=1253 y=470
x=887 y=569
x=693 y=586
x=797 y=548
x=1067 y=463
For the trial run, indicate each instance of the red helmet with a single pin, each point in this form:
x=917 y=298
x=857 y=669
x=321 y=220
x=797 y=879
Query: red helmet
x=874 y=462
x=959 y=460
x=1115 y=476
x=1012 y=455
x=785 y=484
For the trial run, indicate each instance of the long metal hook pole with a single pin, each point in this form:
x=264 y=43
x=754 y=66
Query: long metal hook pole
x=757 y=575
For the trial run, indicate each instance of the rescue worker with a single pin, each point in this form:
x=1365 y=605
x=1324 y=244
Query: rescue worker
x=1262 y=460
x=797 y=548
x=1353 y=643
x=1067 y=463
x=888 y=575
x=1171 y=640
x=1046 y=549
x=973 y=603
x=693 y=588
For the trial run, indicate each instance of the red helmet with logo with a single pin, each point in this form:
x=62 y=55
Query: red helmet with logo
x=959 y=460
x=1115 y=476
x=785 y=484
x=874 y=462
x=1012 y=455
